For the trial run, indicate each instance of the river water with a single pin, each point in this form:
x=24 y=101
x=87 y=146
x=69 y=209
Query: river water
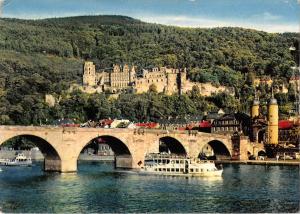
x=97 y=187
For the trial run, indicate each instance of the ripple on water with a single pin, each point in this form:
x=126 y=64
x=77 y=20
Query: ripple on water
x=98 y=187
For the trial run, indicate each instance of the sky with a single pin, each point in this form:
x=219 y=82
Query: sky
x=267 y=15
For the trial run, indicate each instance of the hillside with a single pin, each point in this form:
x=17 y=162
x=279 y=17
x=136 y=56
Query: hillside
x=48 y=55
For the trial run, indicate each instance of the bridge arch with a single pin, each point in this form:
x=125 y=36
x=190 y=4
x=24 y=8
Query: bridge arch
x=122 y=151
x=52 y=159
x=171 y=145
x=220 y=150
x=117 y=145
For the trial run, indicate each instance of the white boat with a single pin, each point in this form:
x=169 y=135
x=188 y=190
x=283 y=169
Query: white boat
x=164 y=164
x=19 y=160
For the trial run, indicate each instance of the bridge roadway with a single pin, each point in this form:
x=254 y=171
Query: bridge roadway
x=61 y=146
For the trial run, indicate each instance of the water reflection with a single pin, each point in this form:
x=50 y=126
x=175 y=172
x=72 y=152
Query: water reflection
x=97 y=187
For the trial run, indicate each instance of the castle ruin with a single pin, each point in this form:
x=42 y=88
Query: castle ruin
x=125 y=79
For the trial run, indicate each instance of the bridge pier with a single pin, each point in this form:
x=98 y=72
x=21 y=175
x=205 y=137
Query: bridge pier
x=124 y=162
x=56 y=165
x=52 y=165
x=69 y=166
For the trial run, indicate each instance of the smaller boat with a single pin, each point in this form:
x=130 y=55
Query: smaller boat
x=19 y=160
x=1 y=170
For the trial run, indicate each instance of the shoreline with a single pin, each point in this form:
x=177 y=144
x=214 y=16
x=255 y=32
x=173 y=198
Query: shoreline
x=261 y=162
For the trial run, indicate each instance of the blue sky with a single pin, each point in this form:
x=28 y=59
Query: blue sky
x=267 y=15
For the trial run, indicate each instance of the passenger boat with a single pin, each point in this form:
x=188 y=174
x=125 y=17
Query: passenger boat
x=165 y=164
x=19 y=160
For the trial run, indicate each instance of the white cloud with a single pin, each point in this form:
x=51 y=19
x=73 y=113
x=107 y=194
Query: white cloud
x=269 y=16
x=266 y=16
x=203 y=22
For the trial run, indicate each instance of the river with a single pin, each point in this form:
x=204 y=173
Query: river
x=97 y=187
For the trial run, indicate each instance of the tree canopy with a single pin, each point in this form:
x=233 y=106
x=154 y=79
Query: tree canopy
x=39 y=57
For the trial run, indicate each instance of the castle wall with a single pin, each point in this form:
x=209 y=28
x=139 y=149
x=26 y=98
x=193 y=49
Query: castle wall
x=157 y=78
x=167 y=80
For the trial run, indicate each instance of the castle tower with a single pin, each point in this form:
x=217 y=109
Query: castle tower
x=255 y=107
x=132 y=74
x=273 y=121
x=89 y=74
x=182 y=80
x=126 y=68
x=172 y=84
x=116 y=69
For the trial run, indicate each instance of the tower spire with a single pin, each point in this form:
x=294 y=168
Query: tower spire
x=256 y=96
x=272 y=92
x=255 y=106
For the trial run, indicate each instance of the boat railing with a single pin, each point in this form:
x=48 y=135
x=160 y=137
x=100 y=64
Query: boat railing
x=171 y=156
x=158 y=156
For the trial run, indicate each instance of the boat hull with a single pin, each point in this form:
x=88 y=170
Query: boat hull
x=13 y=163
x=217 y=173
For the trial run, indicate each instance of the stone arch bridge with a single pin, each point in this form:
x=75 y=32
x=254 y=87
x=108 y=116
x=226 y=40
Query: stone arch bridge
x=61 y=146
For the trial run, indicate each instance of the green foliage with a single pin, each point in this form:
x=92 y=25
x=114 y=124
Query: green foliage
x=39 y=57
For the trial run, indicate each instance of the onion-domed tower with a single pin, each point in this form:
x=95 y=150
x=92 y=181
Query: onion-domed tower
x=255 y=107
x=273 y=121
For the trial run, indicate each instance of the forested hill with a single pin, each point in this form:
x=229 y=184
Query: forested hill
x=116 y=39
x=45 y=56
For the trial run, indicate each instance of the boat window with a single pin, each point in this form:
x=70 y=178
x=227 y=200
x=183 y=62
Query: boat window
x=201 y=170
x=181 y=170
x=192 y=170
x=177 y=161
x=172 y=170
x=164 y=169
x=177 y=170
x=159 y=169
x=197 y=170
